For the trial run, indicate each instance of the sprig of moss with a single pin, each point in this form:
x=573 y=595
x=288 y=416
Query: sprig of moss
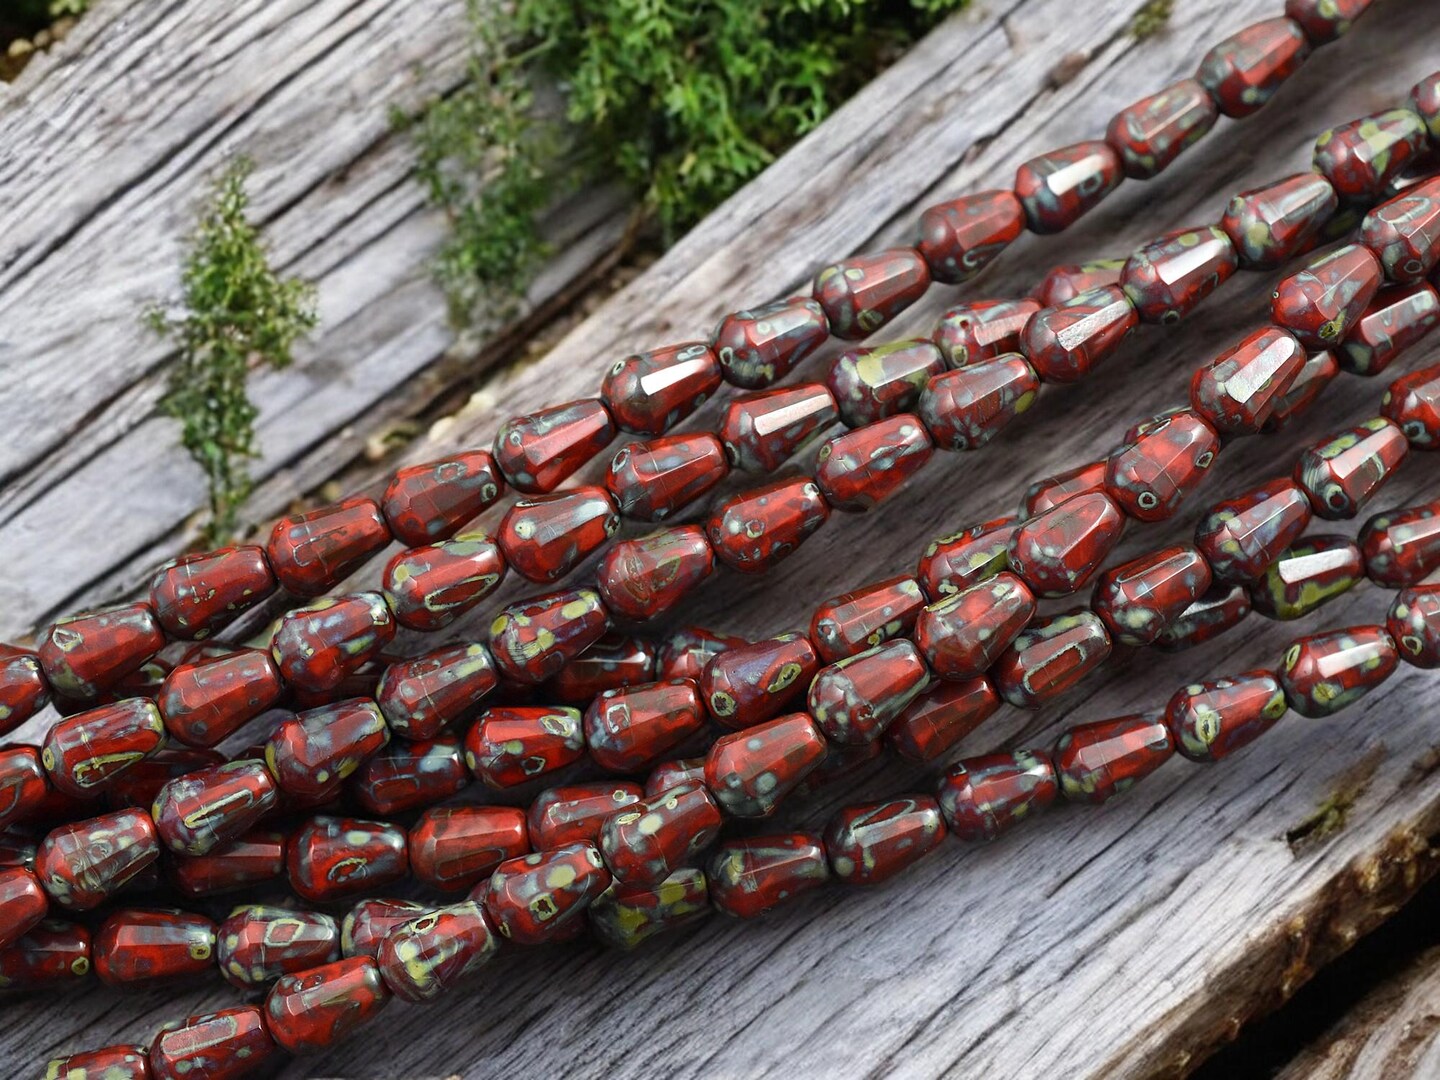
x=1151 y=19
x=235 y=312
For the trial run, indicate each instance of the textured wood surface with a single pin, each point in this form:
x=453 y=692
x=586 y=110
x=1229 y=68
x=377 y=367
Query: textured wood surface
x=1124 y=942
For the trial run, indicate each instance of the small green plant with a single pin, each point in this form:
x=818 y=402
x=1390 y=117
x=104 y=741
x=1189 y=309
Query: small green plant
x=235 y=312
x=1151 y=19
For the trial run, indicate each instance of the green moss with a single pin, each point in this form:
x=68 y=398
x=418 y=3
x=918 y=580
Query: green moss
x=1151 y=19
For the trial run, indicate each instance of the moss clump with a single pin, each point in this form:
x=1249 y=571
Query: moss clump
x=1151 y=19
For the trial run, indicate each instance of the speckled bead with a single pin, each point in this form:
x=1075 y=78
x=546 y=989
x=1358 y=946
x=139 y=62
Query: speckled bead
x=872 y=843
x=855 y=699
x=651 y=480
x=509 y=746
x=23 y=786
x=749 y=772
x=1324 y=673
x=86 y=655
x=1140 y=598
x=431 y=586
x=630 y=729
x=1425 y=100
x=1237 y=392
x=366 y=924
x=542 y=897
x=1069 y=280
x=686 y=652
x=613 y=662
x=419 y=960
x=196 y=595
x=314 y=1010
x=313 y=750
x=762 y=345
x=1242 y=536
x=311 y=553
x=752 y=876
x=1361 y=157
x=538 y=451
x=982 y=330
x=751 y=683
x=425 y=504
x=860 y=620
x=1150 y=477
x=23 y=904
x=53 y=954
x=983 y=797
x=858 y=470
x=419 y=697
x=959 y=238
x=1413 y=403
x=255 y=858
x=1245 y=70
x=961 y=635
x=869 y=384
x=668 y=774
x=544 y=537
x=23 y=689
x=137 y=946
x=624 y=919
x=1057 y=552
x=197 y=812
x=1402 y=547
x=456 y=847
x=1340 y=474
x=1165 y=280
x=224 y=1045
x=1307 y=576
x=1050 y=656
x=573 y=814
x=1066 y=342
x=318 y=645
x=331 y=858
x=1397 y=317
x=964 y=409
x=955 y=562
x=530 y=641
x=1211 y=720
x=644 y=844
x=1405 y=233
x=1219 y=610
x=1272 y=224
x=127 y=1062
x=1319 y=371
x=1053 y=490
x=406 y=775
x=1325 y=20
x=762 y=430
x=1057 y=188
x=754 y=530
x=83 y=752
x=140 y=783
x=861 y=294
x=84 y=863
x=1153 y=132
x=1097 y=761
x=1414 y=625
x=939 y=718
x=204 y=703
x=649 y=393
x=1321 y=303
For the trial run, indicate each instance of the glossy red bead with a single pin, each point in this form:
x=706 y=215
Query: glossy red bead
x=855 y=699
x=313 y=750
x=1140 y=598
x=1237 y=391
x=1398 y=317
x=425 y=504
x=1412 y=402
x=1414 y=625
x=1150 y=478
x=330 y=858
x=668 y=774
x=530 y=641
x=1057 y=188
x=573 y=814
x=53 y=954
x=196 y=595
x=964 y=409
x=419 y=697
x=1069 y=280
x=981 y=330
x=749 y=772
x=456 y=847
x=1402 y=547
x=1066 y=342
x=318 y=645
x=873 y=842
x=224 y=1045
x=1053 y=490
x=869 y=384
x=960 y=237
x=1340 y=474
x=651 y=480
x=1319 y=371
x=861 y=294
x=1219 y=610
x=1050 y=656
x=366 y=924
x=1057 y=552
x=1325 y=20
x=407 y=775
x=255 y=858
x=311 y=553
x=983 y=797
x=754 y=530
x=1405 y=233
x=1306 y=576
x=542 y=897
x=148 y=945
x=430 y=954
x=623 y=919
x=1324 y=673
x=748 y=684
x=859 y=469
x=957 y=561
x=538 y=451
x=1272 y=224
x=23 y=689
x=23 y=904
x=764 y=429
x=128 y=1062
x=860 y=620
x=142 y=782
x=961 y=635
x=431 y=586
x=314 y=1010
x=1245 y=70
x=762 y=345
x=644 y=844
x=649 y=393
x=1211 y=720
x=544 y=537
x=686 y=652
x=510 y=746
x=1165 y=280
x=643 y=578
x=83 y=752
x=939 y=718
x=1322 y=302
x=198 y=812
x=1362 y=157
x=1097 y=761
x=751 y=876
x=630 y=729
x=1242 y=536
x=84 y=863
x=86 y=655
x=205 y=702
x=1425 y=100
x=23 y=784
x=1153 y=132
x=615 y=661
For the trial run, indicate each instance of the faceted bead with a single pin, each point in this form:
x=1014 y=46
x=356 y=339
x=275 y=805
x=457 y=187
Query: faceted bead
x=86 y=655
x=419 y=697
x=1053 y=490
x=530 y=641
x=754 y=530
x=150 y=945
x=318 y=645
x=1153 y=132
x=544 y=537
x=1414 y=625
x=196 y=595
x=1425 y=100
x=1050 y=657
x=537 y=452
x=1237 y=391
x=643 y=578
x=1402 y=547
x=939 y=718
x=859 y=469
x=749 y=684
x=330 y=858
x=1307 y=576
x=1140 y=598
x=406 y=775
x=542 y=897
x=1097 y=761
x=456 y=847
x=421 y=959
x=630 y=729
x=312 y=553
x=317 y=1009
x=23 y=786
x=872 y=843
x=1151 y=477
x=255 y=858
x=961 y=237
x=1324 y=673
x=1321 y=303
x=1241 y=537
x=855 y=699
x=128 y=1062
x=23 y=689
x=751 y=876
x=1405 y=233
x=669 y=774
x=982 y=330
x=224 y=1045
x=749 y=772
x=510 y=746
x=196 y=813
x=869 y=384
x=82 y=752
x=686 y=652
x=983 y=797
x=204 y=703
x=613 y=662
x=964 y=409
x=762 y=430
x=83 y=864
x=23 y=904
x=1341 y=473
x=860 y=620
x=139 y=784
x=649 y=393
x=1057 y=553
x=1413 y=402
x=573 y=813
x=1057 y=188
x=1066 y=342
x=1360 y=158
x=1319 y=370
x=651 y=480
x=1243 y=72
x=310 y=751
x=1398 y=317
x=961 y=635
x=366 y=924
x=1223 y=607
x=1166 y=279
x=1271 y=225
x=762 y=345
x=1211 y=720
x=1325 y=20
x=1069 y=280
x=425 y=504
x=430 y=586
x=54 y=953
x=644 y=844
x=955 y=562
x=623 y=919
x=861 y=294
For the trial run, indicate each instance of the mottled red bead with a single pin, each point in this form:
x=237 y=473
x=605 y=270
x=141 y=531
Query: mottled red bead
x=312 y=750
x=431 y=586
x=762 y=345
x=83 y=752
x=1272 y=224
x=419 y=697
x=939 y=718
x=1050 y=656
x=630 y=729
x=1325 y=20
x=544 y=537
x=860 y=620
x=1414 y=625
x=530 y=641
x=1066 y=342
x=538 y=451
x=1243 y=72
x=455 y=847
x=23 y=904
x=982 y=330
x=1219 y=610
x=748 y=684
x=1095 y=762
x=623 y=919
x=1319 y=371
x=1242 y=536
x=54 y=953
x=197 y=812
x=961 y=635
x=406 y=775
x=255 y=858
x=318 y=645
x=1054 y=490
x=1413 y=403
x=1324 y=673
x=1306 y=576
x=1405 y=233
x=859 y=469
x=311 y=553
x=425 y=504
x=316 y=1009
x=23 y=785
x=196 y=595
x=861 y=294
x=855 y=699
x=224 y=1045
x=869 y=384
x=749 y=772
x=1140 y=598
x=750 y=877
x=1321 y=303
x=983 y=797
x=1069 y=280
x=955 y=562
x=651 y=480
x=1057 y=552
x=1237 y=391
x=422 y=958
x=1402 y=547
x=205 y=702
x=84 y=863
x=1360 y=158
x=686 y=652
x=1153 y=132
x=1057 y=188
x=573 y=813
x=1211 y=720
x=960 y=237
x=645 y=843
x=542 y=897
x=669 y=774
x=616 y=660
x=1340 y=474
x=762 y=430
x=1425 y=100
x=330 y=858
x=366 y=924
x=1397 y=317
x=1165 y=280
x=649 y=393
x=23 y=689
x=1151 y=477
x=643 y=578
x=127 y=1062
x=964 y=409
x=510 y=746
x=87 y=654
x=149 y=945
x=754 y=530
x=873 y=842
x=142 y=782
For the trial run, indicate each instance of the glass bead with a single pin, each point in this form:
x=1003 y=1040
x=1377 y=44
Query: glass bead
x=1150 y=477
x=313 y=750
x=651 y=480
x=1138 y=599
x=54 y=954
x=964 y=409
x=84 y=863
x=85 y=655
x=1405 y=233
x=421 y=959
x=1362 y=157
x=206 y=702
x=1059 y=551
x=1397 y=317
x=960 y=237
x=366 y=924
x=630 y=729
x=198 y=812
x=687 y=651
x=1095 y=762
x=983 y=797
x=861 y=294
x=860 y=620
x=314 y=1010
x=544 y=537
x=1307 y=576
x=749 y=684
x=751 y=876
x=644 y=844
x=762 y=430
x=1057 y=188
x=1054 y=490
x=1402 y=546
x=255 y=858
x=1320 y=303
x=1065 y=282
x=23 y=785
x=430 y=586
x=1273 y=224
x=318 y=645
x=1319 y=370
x=623 y=919
x=1324 y=673
x=936 y=721
x=542 y=897
x=139 y=946
x=762 y=345
x=961 y=635
x=957 y=561
x=82 y=753
x=532 y=640
x=752 y=531
x=1066 y=342
x=1219 y=610
x=1153 y=132
x=1325 y=20
x=407 y=775
x=1211 y=720
x=223 y=1045
x=573 y=814
x=23 y=904
x=613 y=662
x=196 y=595
x=858 y=470
x=1237 y=391
x=1340 y=474
x=873 y=842
x=981 y=330
x=1414 y=625
x=313 y=552
x=128 y=1062
x=1241 y=537
x=512 y=745
x=418 y=697
x=1165 y=280
x=1050 y=656
x=429 y=503
x=539 y=451
x=457 y=847
x=1413 y=403
x=869 y=384
x=670 y=773
x=1244 y=71
x=855 y=699
x=649 y=393
x=332 y=858
x=751 y=771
